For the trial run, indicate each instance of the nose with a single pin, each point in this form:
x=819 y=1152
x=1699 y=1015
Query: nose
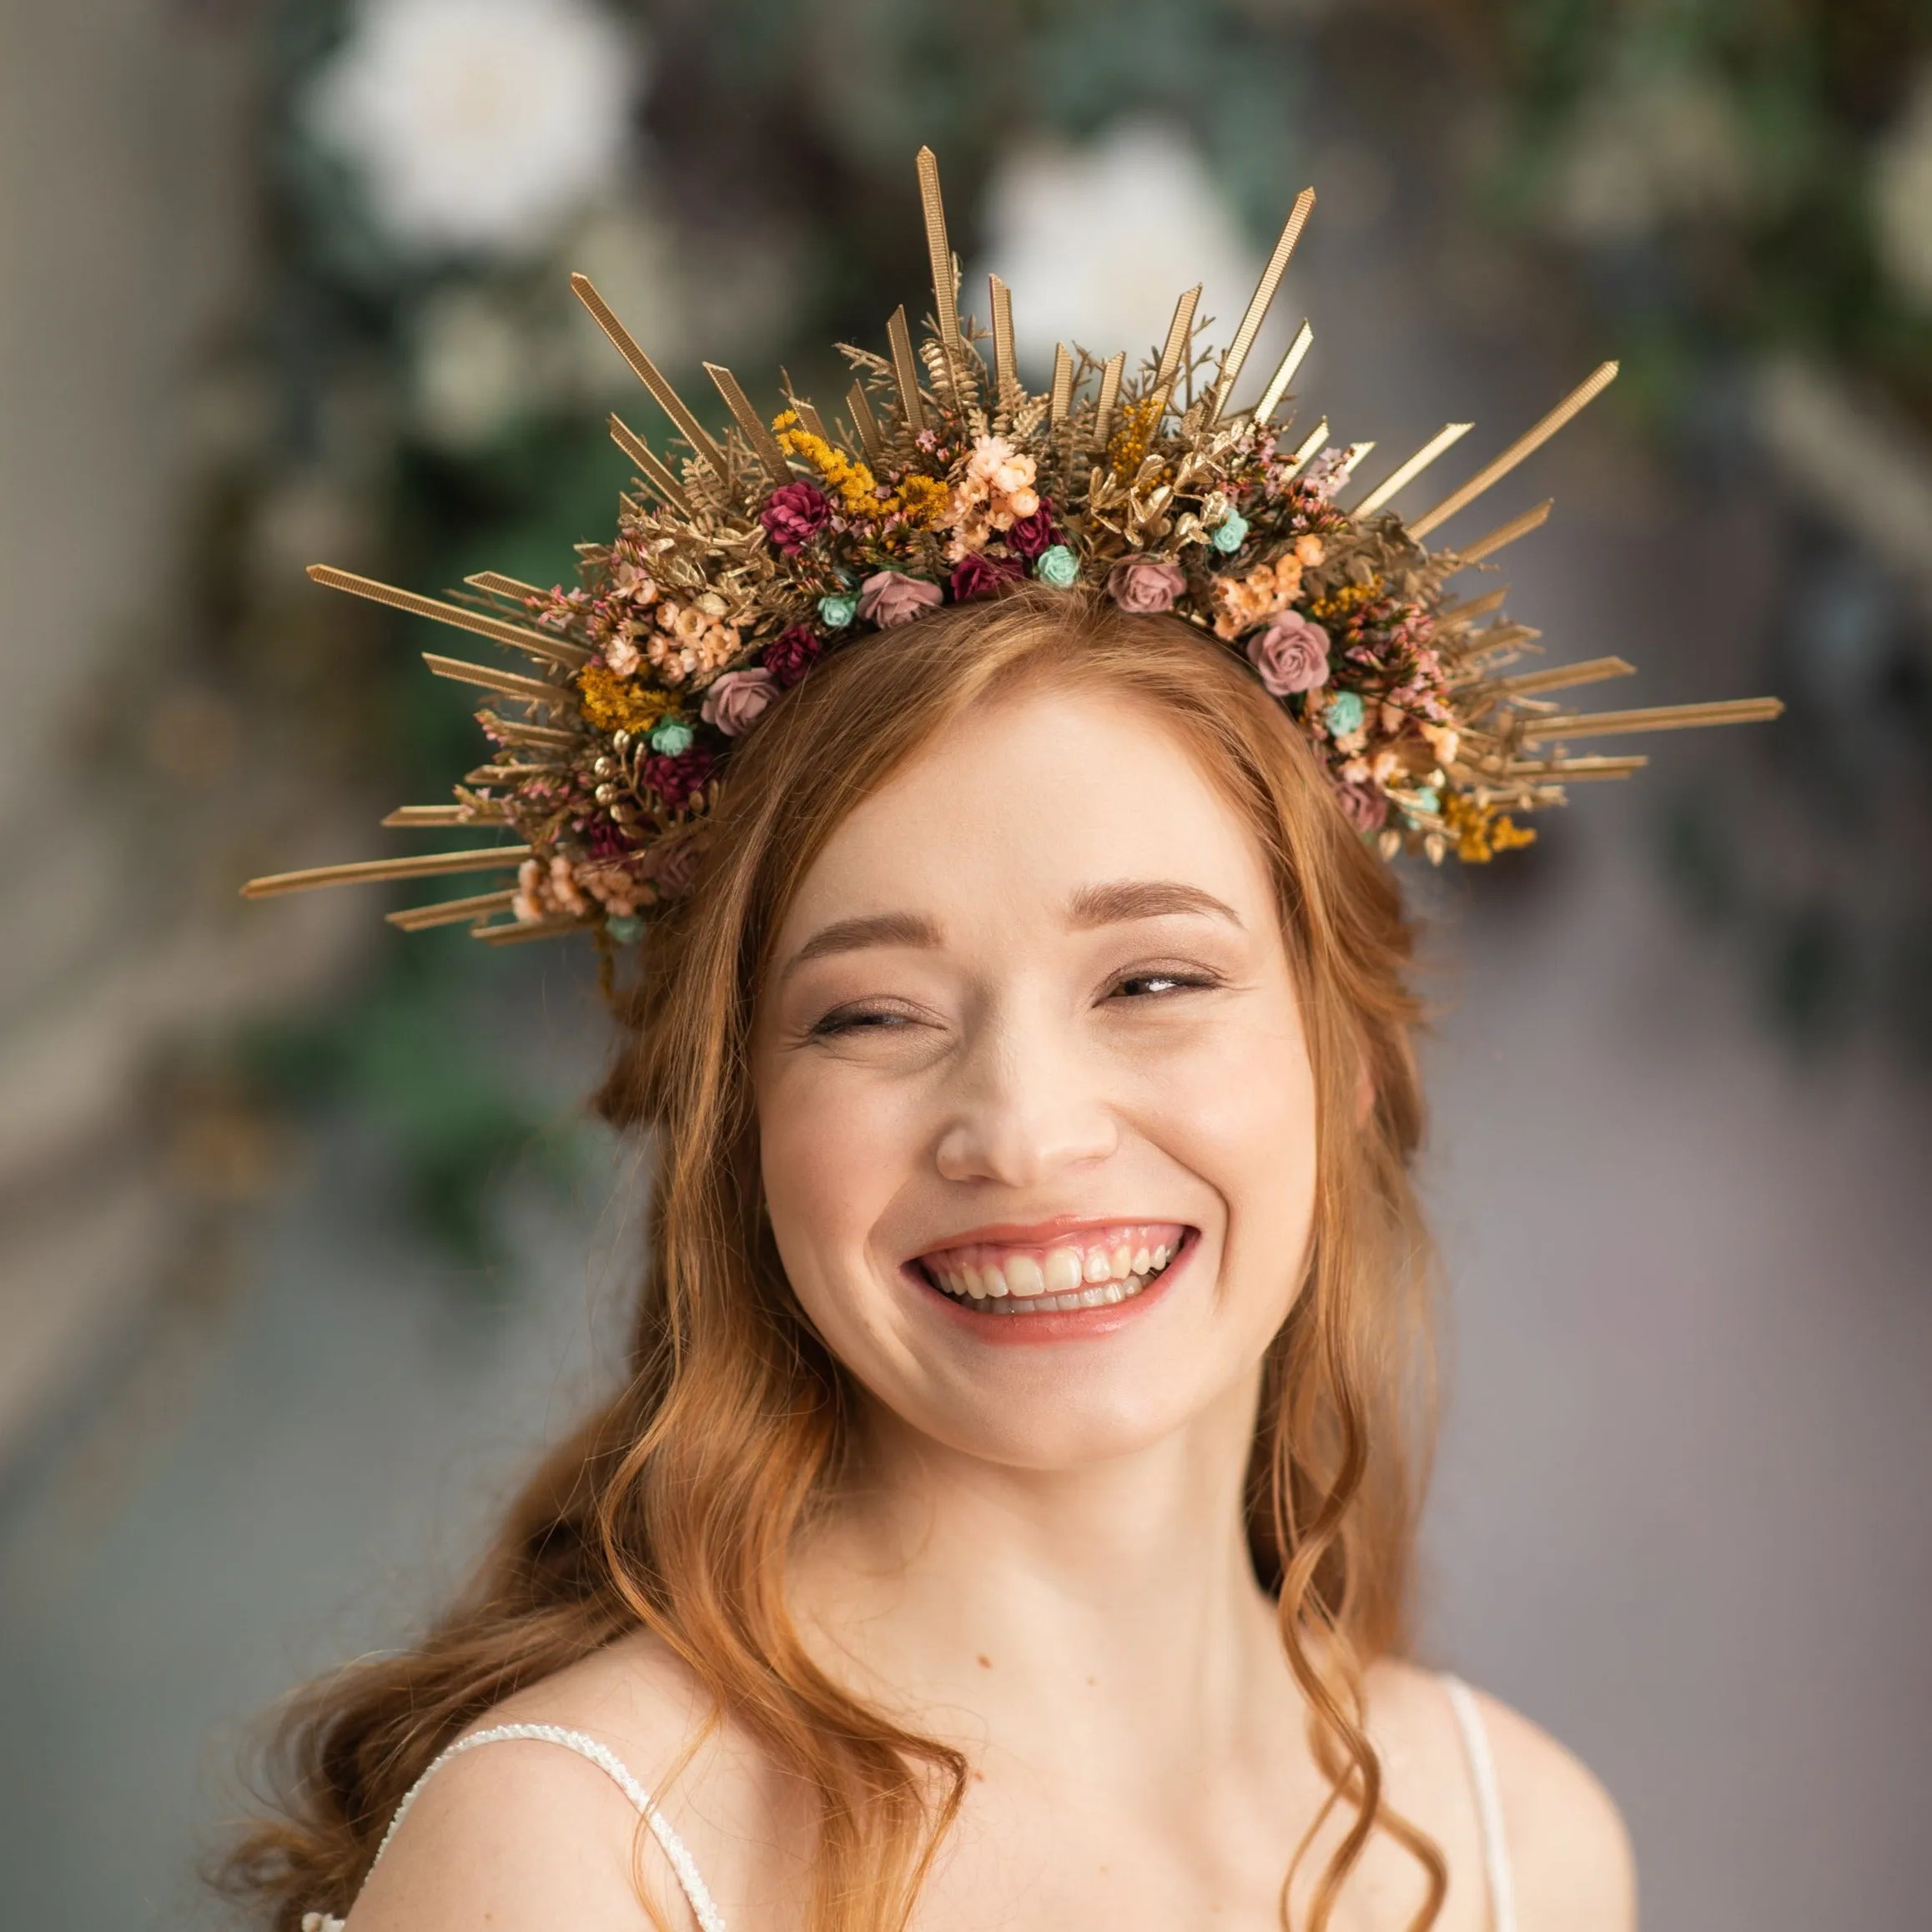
x=1025 y=1107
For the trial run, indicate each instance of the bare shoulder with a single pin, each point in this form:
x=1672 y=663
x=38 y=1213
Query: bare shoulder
x=1569 y=1853
x=528 y=1836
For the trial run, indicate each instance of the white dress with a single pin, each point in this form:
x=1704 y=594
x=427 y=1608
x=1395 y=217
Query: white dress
x=704 y=1907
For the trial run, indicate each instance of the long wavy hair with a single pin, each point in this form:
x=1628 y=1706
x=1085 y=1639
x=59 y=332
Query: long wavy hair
x=674 y=1508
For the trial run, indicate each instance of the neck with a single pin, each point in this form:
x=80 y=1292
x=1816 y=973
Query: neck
x=948 y=1581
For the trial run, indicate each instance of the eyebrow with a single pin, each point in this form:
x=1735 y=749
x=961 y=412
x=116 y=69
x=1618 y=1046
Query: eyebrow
x=1115 y=903
x=855 y=935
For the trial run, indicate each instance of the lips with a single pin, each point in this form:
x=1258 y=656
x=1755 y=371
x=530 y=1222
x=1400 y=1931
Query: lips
x=1094 y=1266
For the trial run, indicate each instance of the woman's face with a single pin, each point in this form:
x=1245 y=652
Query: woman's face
x=1036 y=1112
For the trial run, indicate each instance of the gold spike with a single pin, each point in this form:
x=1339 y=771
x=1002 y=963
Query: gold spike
x=1309 y=444
x=1258 y=303
x=1504 y=534
x=1473 y=607
x=462 y=671
x=1005 y=378
x=945 y=297
x=1531 y=440
x=450 y=912
x=1573 y=771
x=864 y=421
x=515 y=732
x=647 y=372
x=1178 y=330
x=425 y=865
x=655 y=472
x=1110 y=396
x=764 y=445
x=507 y=774
x=1061 y=396
x=488 y=812
x=557 y=650
x=515 y=934
x=906 y=371
x=1406 y=473
x=1284 y=374
x=1566 y=677
x=497 y=584
x=809 y=420
x=1660 y=717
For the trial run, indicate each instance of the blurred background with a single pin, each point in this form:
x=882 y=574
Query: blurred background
x=304 y=1245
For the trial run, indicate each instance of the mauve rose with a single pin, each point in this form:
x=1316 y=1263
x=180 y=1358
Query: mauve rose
x=1363 y=806
x=677 y=781
x=1143 y=584
x=673 y=866
x=1031 y=534
x=794 y=513
x=975 y=576
x=1291 y=653
x=734 y=701
x=792 y=653
x=891 y=598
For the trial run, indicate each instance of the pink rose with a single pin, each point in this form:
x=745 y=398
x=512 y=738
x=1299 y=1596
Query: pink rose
x=1143 y=584
x=1363 y=806
x=978 y=576
x=891 y=598
x=794 y=513
x=1291 y=653
x=734 y=701
x=792 y=653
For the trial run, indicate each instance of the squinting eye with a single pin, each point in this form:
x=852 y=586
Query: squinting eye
x=1153 y=985
x=859 y=1019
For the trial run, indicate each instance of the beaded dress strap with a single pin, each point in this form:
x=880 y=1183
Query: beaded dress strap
x=703 y=1907
x=1488 y=1804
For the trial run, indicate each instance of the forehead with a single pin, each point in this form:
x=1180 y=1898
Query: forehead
x=1025 y=801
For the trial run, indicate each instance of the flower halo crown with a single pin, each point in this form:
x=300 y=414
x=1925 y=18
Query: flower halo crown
x=743 y=558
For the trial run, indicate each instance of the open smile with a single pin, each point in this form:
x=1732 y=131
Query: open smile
x=1094 y=1266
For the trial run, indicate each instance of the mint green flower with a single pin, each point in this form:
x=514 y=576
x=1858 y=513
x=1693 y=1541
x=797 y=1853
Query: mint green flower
x=1230 y=533
x=673 y=736
x=1344 y=714
x=1428 y=799
x=1057 y=566
x=837 y=611
x=624 y=928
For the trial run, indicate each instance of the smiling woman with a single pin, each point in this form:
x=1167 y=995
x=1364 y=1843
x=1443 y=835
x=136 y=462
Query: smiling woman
x=1008 y=1519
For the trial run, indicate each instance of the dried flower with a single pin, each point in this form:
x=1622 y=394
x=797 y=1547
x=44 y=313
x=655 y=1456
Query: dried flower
x=1343 y=714
x=1230 y=533
x=978 y=576
x=1057 y=566
x=735 y=701
x=672 y=737
x=891 y=597
x=679 y=779
x=1363 y=806
x=837 y=612
x=1030 y=535
x=792 y=653
x=1143 y=584
x=613 y=705
x=1290 y=654
x=794 y=514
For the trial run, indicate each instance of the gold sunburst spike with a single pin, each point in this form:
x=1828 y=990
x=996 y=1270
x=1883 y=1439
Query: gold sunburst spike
x=488 y=813
x=450 y=912
x=808 y=417
x=1108 y=398
x=1566 y=677
x=425 y=865
x=538 y=643
x=864 y=423
x=650 y=466
x=513 y=731
x=516 y=933
x=1404 y=474
x=1531 y=439
x=531 y=690
x=906 y=371
x=1659 y=718
x=1179 y=328
x=1472 y=608
x=945 y=278
x=1506 y=534
x=1005 y=369
x=1260 y=301
x=496 y=584
x=1060 y=398
x=1309 y=444
x=647 y=372
x=1568 y=771
x=1284 y=374
x=764 y=445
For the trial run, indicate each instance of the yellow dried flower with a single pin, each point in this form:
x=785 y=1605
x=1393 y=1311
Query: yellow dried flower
x=920 y=499
x=1127 y=447
x=1480 y=830
x=614 y=704
x=1338 y=603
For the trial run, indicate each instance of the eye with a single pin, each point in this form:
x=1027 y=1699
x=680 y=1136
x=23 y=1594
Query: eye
x=1159 y=982
x=850 y=1020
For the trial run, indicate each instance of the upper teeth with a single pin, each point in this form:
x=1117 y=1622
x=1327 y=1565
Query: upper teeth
x=1086 y=1273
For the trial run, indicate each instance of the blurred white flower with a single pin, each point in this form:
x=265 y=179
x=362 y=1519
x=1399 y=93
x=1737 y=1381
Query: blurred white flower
x=472 y=369
x=1902 y=193
x=1097 y=242
x=478 y=125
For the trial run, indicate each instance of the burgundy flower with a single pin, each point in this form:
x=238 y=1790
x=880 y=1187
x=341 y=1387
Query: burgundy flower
x=677 y=781
x=891 y=597
x=975 y=576
x=672 y=865
x=1031 y=534
x=604 y=839
x=1363 y=806
x=794 y=513
x=1291 y=653
x=792 y=653
x=734 y=702
x=1143 y=584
